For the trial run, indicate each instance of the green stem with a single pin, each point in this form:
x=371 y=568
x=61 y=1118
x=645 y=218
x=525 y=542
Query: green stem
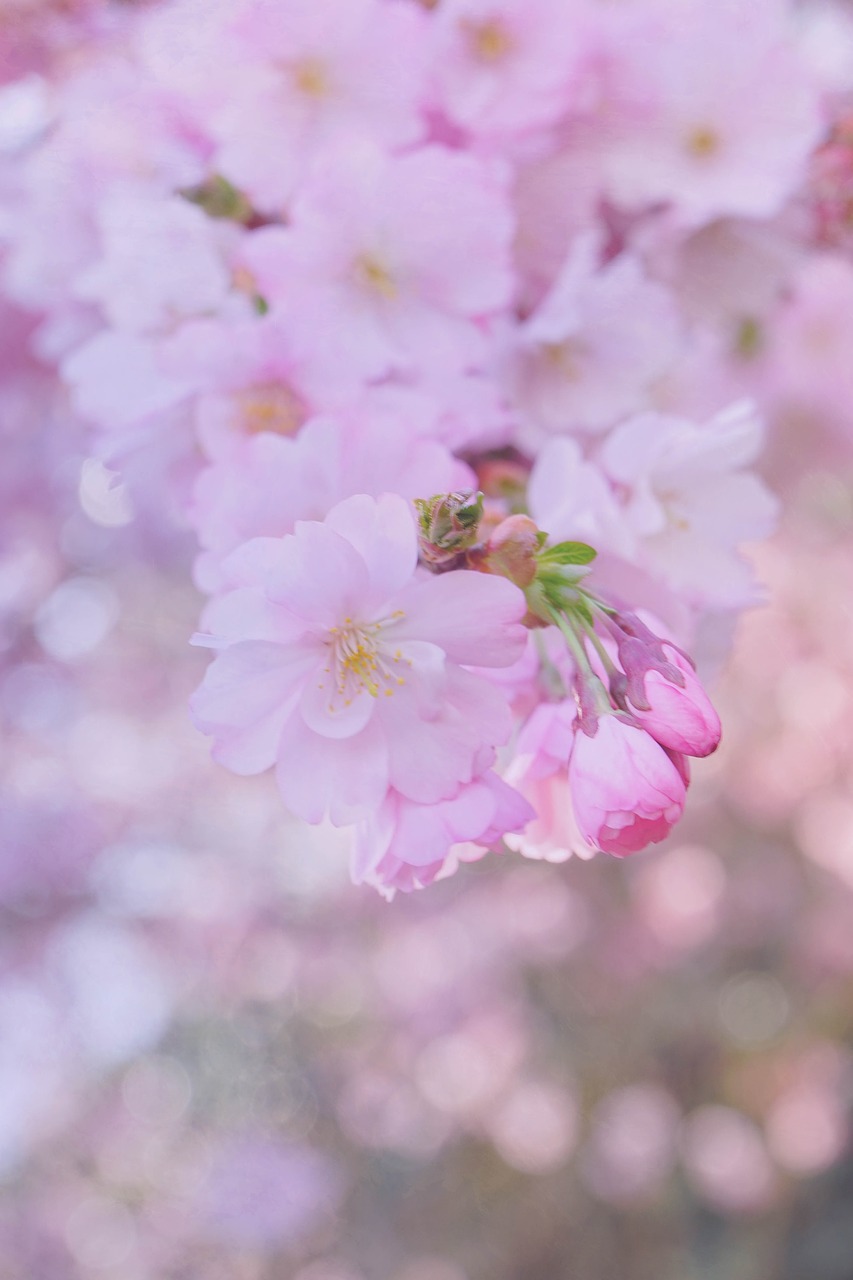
x=606 y=660
x=581 y=657
x=552 y=675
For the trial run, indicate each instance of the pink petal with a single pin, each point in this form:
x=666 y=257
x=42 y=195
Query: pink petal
x=473 y=617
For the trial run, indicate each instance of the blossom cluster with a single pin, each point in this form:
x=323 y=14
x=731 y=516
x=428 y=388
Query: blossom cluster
x=430 y=322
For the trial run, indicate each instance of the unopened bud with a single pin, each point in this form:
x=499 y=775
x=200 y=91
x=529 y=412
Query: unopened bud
x=448 y=524
x=512 y=550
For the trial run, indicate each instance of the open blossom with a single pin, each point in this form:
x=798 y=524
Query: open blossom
x=389 y=263
x=505 y=66
x=267 y=481
x=311 y=76
x=343 y=667
x=572 y=498
x=595 y=345
x=711 y=108
x=404 y=845
x=626 y=790
x=539 y=771
x=690 y=499
x=161 y=261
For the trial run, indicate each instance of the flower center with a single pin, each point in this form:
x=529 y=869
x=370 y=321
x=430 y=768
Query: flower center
x=360 y=662
x=371 y=271
x=310 y=78
x=703 y=141
x=271 y=407
x=489 y=41
x=565 y=358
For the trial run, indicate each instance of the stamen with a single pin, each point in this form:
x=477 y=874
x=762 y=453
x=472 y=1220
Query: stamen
x=271 y=407
x=372 y=272
x=358 y=660
x=310 y=78
x=489 y=41
x=703 y=141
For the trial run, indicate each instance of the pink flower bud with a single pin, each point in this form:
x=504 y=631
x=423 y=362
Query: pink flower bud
x=679 y=717
x=511 y=550
x=626 y=791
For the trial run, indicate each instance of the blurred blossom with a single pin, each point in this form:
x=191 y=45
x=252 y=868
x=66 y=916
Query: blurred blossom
x=631 y=1145
x=75 y=618
x=114 y=988
x=102 y=496
x=680 y=895
x=101 y=1234
x=265 y=1193
x=726 y=1159
x=753 y=1008
x=534 y=1128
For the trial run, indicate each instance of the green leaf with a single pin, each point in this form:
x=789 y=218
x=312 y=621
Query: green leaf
x=569 y=553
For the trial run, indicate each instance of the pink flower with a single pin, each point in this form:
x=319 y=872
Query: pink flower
x=572 y=498
x=305 y=76
x=345 y=668
x=388 y=264
x=711 y=108
x=626 y=791
x=161 y=261
x=681 y=719
x=593 y=348
x=690 y=501
x=506 y=66
x=538 y=770
x=405 y=845
x=266 y=482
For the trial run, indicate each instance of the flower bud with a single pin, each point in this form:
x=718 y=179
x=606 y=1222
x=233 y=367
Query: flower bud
x=448 y=524
x=512 y=550
x=679 y=717
x=626 y=790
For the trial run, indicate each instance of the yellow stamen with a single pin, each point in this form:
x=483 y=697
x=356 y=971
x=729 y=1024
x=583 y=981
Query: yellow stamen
x=372 y=272
x=490 y=41
x=311 y=78
x=703 y=141
x=272 y=407
x=565 y=358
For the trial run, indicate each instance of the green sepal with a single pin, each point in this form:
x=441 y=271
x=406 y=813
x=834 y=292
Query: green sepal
x=569 y=553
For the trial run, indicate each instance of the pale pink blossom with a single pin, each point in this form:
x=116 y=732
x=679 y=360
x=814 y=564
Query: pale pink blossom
x=389 y=263
x=572 y=498
x=344 y=668
x=161 y=261
x=502 y=67
x=709 y=107
x=690 y=501
x=593 y=349
x=807 y=369
x=626 y=790
x=539 y=772
x=405 y=845
x=267 y=481
x=309 y=76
